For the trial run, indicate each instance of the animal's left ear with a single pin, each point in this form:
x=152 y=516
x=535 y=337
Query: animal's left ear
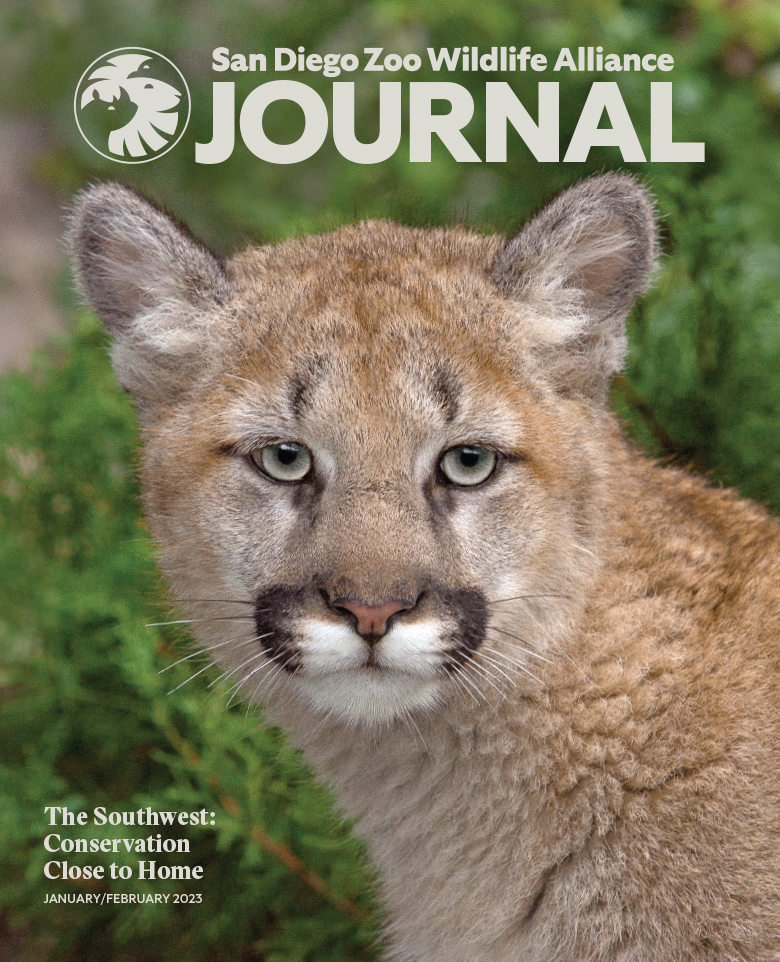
x=574 y=272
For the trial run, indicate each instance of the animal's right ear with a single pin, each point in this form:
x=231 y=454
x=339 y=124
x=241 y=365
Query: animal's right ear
x=152 y=284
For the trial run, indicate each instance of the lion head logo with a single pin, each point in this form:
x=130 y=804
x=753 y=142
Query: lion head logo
x=132 y=105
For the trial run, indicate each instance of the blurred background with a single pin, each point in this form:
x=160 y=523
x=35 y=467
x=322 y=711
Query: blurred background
x=86 y=719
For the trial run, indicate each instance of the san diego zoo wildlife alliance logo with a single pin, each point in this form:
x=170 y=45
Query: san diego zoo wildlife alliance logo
x=132 y=105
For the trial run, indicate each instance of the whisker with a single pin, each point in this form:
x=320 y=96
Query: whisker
x=576 y=667
x=255 y=657
x=235 y=689
x=189 y=679
x=280 y=675
x=482 y=671
x=254 y=671
x=469 y=685
x=459 y=683
x=586 y=550
x=228 y=672
x=227 y=601
x=409 y=719
x=237 y=378
x=256 y=699
x=499 y=654
x=199 y=651
x=527 y=651
x=258 y=654
x=311 y=734
x=192 y=655
x=512 y=663
x=530 y=674
x=269 y=665
x=500 y=601
x=214 y=417
x=251 y=702
x=495 y=664
x=199 y=621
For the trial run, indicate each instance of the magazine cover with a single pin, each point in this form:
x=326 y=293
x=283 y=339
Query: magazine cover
x=389 y=449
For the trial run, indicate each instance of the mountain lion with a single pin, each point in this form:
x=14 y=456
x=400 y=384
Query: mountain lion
x=542 y=671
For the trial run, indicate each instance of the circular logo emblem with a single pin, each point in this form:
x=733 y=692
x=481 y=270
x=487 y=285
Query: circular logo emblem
x=132 y=105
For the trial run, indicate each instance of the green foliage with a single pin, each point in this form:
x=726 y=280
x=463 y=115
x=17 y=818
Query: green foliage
x=85 y=718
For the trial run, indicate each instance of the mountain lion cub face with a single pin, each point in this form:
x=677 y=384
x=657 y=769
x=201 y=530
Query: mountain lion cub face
x=542 y=671
x=362 y=435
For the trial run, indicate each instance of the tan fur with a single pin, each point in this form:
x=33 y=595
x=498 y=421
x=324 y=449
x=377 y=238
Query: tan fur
x=597 y=779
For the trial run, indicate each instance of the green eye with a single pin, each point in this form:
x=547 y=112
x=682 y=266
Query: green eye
x=287 y=461
x=468 y=465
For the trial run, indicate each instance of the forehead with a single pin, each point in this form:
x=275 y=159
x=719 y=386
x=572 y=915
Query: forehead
x=372 y=281
x=376 y=316
x=381 y=296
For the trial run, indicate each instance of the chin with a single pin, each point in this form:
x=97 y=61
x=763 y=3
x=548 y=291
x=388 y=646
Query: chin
x=370 y=696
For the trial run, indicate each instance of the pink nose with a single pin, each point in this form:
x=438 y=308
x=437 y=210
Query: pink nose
x=372 y=619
